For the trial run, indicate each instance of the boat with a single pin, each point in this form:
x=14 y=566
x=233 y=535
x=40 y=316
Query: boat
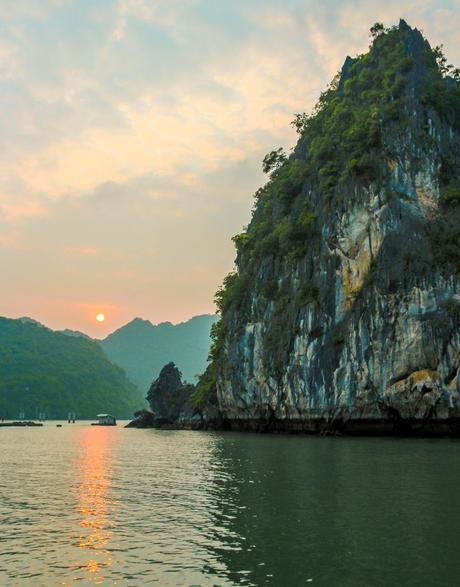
x=105 y=420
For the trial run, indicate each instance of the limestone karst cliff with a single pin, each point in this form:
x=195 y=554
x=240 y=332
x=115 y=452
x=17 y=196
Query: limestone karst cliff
x=344 y=309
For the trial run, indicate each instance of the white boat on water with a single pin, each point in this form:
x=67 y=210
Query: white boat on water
x=105 y=420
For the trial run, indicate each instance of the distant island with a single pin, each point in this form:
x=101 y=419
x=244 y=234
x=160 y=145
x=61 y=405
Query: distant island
x=55 y=372
x=42 y=371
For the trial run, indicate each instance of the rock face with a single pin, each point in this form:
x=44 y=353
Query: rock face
x=173 y=404
x=169 y=398
x=344 y=312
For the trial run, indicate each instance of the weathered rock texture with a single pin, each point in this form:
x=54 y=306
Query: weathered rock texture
x=169 y=398
x=173 y=405
x=361 y=331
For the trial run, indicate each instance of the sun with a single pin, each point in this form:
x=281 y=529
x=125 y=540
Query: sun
x=100 y=317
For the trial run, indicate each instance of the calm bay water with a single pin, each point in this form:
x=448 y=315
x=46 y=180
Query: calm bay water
x=135 y=507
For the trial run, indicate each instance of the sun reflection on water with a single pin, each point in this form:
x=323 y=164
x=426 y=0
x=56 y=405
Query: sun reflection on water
x=95 y=506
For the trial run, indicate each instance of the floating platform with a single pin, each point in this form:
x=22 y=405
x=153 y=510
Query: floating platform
x=103 y=424
x=21 y=423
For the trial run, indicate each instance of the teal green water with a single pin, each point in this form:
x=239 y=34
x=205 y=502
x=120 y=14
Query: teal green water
x=120 y=506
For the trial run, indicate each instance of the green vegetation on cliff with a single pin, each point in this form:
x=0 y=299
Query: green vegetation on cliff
x=51 y=372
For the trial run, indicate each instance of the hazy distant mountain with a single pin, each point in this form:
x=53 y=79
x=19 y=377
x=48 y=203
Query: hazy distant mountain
x=43 y=370
x=142 y=349
x=69 y=332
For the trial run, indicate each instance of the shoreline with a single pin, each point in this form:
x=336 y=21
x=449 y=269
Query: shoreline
x=449 y=428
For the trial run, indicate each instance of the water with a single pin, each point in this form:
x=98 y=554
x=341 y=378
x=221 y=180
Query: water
x=136 y=507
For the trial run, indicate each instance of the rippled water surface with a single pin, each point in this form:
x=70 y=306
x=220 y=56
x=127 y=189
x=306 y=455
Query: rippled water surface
x=107 y=506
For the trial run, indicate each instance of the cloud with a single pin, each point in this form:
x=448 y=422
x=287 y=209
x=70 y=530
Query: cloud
x=133 y=130
x=154 y=12
x=81 y=250
x=11 y=213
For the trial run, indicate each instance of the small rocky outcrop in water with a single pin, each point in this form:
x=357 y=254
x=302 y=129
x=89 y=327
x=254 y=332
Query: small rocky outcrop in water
x=142 y=419
x=169 y=398
x=174 y=405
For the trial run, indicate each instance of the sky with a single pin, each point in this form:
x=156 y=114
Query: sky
x=132 y=135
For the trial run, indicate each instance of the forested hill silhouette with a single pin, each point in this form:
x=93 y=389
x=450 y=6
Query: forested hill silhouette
x=46 y=371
